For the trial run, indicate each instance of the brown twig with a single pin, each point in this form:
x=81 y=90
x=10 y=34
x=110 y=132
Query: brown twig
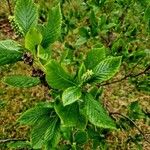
x=127 y=76
x=140 y=131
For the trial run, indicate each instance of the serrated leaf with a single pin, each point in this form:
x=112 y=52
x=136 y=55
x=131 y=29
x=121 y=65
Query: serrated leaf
x=21 y=81
x=43 y=54
x=70 y=115
x=96 y=114
x=71 y=95
x=31 y=116
x=57 y=77
x=94 y=57
x=10 y=52
x=107 y=68
x=32 y=39
x=26 y=15
x=52 y=30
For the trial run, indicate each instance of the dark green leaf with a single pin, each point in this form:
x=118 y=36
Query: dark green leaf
x=57 y=77
x=21 y=81
x=52 y=30
x=94 y=57
x=96 y=114
x=10 y=52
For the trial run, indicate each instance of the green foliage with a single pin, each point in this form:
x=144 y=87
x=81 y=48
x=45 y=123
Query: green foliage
x=94 y=57
x=75 y=115
x=52 y=30
x=21 y=81
x=96 y=113
x=26 y=15
x=10 y=52
x=57 y=77
x=33 y=38
x=107 y=68
x=71 y=95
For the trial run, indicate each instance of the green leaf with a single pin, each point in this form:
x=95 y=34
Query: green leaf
x=33 y=115
x=32 y=39
x=43 y=54
x=96 y=114
x=70 y=115
x=81 y=71
x=81 y=137
x=19 y=145
x=10 y=52
x=52 y=30
x=26 y=15
x=94 y=57
x=21 y=81
x=147 y=14
x=57 y=77
x=71 y=95
x=107 y=68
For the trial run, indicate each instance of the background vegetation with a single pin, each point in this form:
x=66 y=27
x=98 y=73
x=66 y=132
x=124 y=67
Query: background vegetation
x=123 y=28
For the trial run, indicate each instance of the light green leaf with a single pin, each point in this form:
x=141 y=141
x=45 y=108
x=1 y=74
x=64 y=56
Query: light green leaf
x=107 y=68
x=70 y=115
x=57 y=77
x=43 y=54
x=26 y=15
x=21 y=81
x=10 y=52
x=52 y=30
x=94 y=57
x=71 y=95
x=96 y=114
x=32 y=39
x=31 y=116
x=81 y=71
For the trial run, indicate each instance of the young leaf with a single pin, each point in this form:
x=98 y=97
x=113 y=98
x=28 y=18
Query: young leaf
x=33 y=38
x=96 y=113
x=71 y=95
x=81 y=71
x=53 y=28
x=57 y=77
x=10 y=52
x=21 y=81
x=107 y=69
x=26 y=15
x=94 y=57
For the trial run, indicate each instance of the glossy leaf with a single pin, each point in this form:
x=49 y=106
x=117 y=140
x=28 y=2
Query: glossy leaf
x=71 y=95
x=107 y=68
x=10 y=52
x=96 y=114
x=21 y=81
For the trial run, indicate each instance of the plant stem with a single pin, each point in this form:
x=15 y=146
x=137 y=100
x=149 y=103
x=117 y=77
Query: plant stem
x=11 y=140
x=140 y=131
x=127 y=76
x=9 y=7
